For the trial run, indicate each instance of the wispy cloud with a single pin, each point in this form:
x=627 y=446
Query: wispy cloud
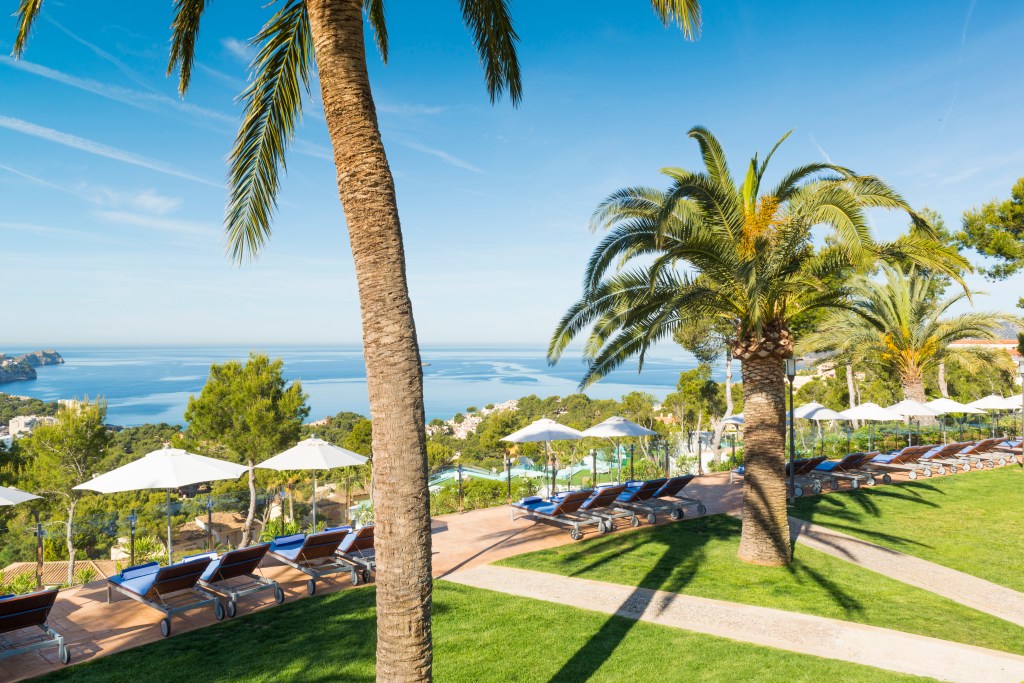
x=821 y=150
x=232 y=82
x=103 y=54
x=134 y=98
x=441 y=154
x=99 y=149
x=239 y=49
x=44 y=230
x=175 y=225
x=312 y=150
x=409 y=109
x=959 y=64
x=147 y=200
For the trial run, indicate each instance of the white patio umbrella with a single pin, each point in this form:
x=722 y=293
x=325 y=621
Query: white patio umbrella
x=167 y=468
x=736 y=419
x=313 y=454
x=818 y=413
x=12 y=496
x=613 y=429
x=994 y=403
x=911 y=409
x=950 y=407
x=871 y=412
x=546 y=430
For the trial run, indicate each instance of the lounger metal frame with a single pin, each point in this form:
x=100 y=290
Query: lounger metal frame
x=173 y=602
x=621 y=509
x=315 y=568
x=363 y=560
x=852 y=473
x=571 y=518
x=15 y=641
x=242 y=585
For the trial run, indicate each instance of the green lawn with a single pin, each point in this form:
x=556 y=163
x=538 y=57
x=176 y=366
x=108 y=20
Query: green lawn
x=970 y=522
x=479 y=636
x=698 y=557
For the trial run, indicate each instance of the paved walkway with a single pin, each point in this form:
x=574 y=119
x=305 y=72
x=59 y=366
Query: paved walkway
x=966 y=589
x=857 y=643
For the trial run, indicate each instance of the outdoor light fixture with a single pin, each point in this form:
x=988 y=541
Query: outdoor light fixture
x=791 y=374
x=1020 y=365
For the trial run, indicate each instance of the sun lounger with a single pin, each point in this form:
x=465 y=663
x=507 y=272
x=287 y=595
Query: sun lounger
x=988 y=453
x=563 y=510
x=635 y=498
x=1012 y=450
x=20 y=616
x=801 y=471
x=170 y=589
x=234 y=575
x=357 y=550
x=847 y=468
x=903 y=460
x=313 y=555
x=668 y=498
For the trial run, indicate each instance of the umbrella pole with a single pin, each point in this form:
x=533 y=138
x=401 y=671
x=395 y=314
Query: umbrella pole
x=314 y=502
x=170 y=554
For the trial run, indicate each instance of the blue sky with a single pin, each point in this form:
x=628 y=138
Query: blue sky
x=113 y=194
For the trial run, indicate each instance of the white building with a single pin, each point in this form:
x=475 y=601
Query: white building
x=24 y=424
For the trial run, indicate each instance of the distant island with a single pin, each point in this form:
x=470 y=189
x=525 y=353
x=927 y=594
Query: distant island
x=23 y=367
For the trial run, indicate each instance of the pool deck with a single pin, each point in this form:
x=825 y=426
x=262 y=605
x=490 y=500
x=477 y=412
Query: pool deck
x=93 y=628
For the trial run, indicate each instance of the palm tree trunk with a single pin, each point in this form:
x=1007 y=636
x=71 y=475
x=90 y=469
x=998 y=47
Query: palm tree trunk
x=851 y=389
x=393 y=370
x=765 y=535
x=943 y=387
x=251 y=514
x=913 y=389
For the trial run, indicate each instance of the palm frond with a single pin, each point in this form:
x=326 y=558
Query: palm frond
x=375 y=14
x=790 y=183
x=184 y=33
x=713 y=154
x=683 y=13
x=273 y=106
x=27 y=13
x=491 y=25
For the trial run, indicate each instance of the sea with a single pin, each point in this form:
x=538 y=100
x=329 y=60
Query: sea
x=153 y=384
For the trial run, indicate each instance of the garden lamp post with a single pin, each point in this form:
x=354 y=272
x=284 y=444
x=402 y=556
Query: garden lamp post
x=791 y=375
x=593 y=465
x=1020 y=366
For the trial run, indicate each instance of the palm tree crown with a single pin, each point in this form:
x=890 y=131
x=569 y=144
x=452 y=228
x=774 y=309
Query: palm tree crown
x=710 y=248
x=898 y=323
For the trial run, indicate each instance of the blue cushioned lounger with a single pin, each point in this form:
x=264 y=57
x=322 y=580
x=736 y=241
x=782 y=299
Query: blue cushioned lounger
x=169 y=589
x=562 y=510
x=313 y=555
x=234 y=575
x=20 y=616
x=848 y=468
x=357 y=550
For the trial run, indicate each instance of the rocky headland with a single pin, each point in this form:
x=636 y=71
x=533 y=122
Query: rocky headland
x=22 y=368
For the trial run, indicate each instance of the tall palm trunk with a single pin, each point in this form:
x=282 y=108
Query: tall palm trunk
x=765 y=536
x=943 y=386
x=851 y=389
x=393 y=371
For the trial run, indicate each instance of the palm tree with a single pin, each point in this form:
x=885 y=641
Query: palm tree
x=710 y=249
x=328 y=35
x=898 y=324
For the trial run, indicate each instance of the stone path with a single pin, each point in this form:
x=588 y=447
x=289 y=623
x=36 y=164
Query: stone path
x=966 y=589
x=857 y=643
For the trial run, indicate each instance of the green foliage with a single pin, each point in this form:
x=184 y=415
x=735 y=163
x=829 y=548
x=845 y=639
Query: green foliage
x=996 y=230
x=711 y=251
x=360 y=438
x=68 y=452
x=478 y=493
x=247 y=409
x=85 y=575
x=11 y=406
x=20 y=584
x=459 y=418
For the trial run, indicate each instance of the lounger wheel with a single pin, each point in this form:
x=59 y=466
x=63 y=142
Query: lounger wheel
x=886 y=478
x=354 y=574
x=278 y=594
x=575 y=534
x=854 y=484
x=798 y=491
x=634 y=521
x=311 y=587
x=870 y=481
x=676 y=515
x=603 y=527
x=701 y=509
x=966 y=467
x=816 y=488
x=366 y=576
x=1002 y=462
x=940 y=469
x=218 y=610
x=165 y=627
x=651 y=518
x=232 y=609
x=834 y=484
x=64 y=653
x=927 y=472
x=912 y=474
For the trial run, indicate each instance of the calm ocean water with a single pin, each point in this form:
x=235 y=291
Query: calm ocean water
x=149 y=384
